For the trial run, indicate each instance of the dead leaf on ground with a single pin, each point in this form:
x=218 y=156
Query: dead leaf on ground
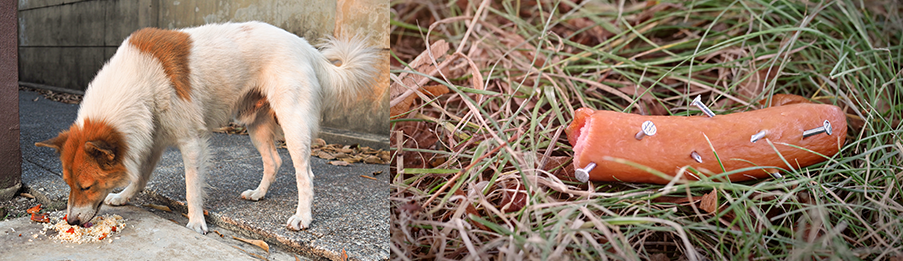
x=648 y=104
x=417 y=135
x=515 y=195
x=370 y=159
x=400 y=92
x=349 y=153
x=339 y=163
x=560 y=162
x=709 y=202
x=258 y=243
x=659 y=257
x=325 y=155
x=755 y=84
x=233 y=128
x=431 y=91
x=158 y=207
x=784 y=99
x=68 y=98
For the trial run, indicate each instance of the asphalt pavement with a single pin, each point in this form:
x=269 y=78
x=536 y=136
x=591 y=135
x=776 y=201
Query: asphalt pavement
x=351 y=212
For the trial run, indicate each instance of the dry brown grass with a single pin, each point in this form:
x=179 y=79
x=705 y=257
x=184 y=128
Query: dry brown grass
x=482 y=166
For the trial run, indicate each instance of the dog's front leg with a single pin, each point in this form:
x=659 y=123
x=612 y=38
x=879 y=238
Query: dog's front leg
x=194 y=155
x=148 y=164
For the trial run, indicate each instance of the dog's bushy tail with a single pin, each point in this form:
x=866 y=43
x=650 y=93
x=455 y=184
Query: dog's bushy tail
x=350 y=69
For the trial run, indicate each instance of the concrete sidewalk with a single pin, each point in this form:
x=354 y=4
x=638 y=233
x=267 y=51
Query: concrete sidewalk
x=350 y=212
x=144 y=237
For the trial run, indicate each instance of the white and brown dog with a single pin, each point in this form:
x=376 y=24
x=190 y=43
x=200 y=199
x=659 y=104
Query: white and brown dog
x=171 y=87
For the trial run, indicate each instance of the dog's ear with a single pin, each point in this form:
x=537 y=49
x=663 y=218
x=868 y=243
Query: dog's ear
x=56 y=143
x=101 y=151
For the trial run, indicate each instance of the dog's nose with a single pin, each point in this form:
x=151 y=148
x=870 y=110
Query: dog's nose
x=73 y=221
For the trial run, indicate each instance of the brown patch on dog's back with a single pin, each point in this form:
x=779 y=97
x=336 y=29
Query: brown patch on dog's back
x=171 y=48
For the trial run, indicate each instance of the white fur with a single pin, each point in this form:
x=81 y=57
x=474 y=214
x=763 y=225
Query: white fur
x=135 y=96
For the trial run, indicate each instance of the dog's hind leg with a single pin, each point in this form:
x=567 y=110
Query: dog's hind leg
x=262 y=131
x=299 y=119
x=148 y=164
x=194 y=155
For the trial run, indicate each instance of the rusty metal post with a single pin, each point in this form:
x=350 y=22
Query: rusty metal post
x=10 y=155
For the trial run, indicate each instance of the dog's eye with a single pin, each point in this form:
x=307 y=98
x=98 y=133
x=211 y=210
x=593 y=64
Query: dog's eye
x=86 y=188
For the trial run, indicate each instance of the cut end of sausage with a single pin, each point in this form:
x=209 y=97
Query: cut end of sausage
x=577 y=133
x=582 y=140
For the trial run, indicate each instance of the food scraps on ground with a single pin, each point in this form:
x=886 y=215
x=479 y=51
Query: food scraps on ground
x=615 y=146
x=40 y=218
x=34 y=209
x=102 y=227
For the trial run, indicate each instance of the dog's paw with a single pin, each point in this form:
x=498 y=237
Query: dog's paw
x=299 y=221
x=253 y=194
x=116 y=199
x=200 y=227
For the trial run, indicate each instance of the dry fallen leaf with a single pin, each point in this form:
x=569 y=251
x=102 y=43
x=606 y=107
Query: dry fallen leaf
x=258 y=243
x=319 y=142
x=709 y=202
x=350 y=153
x=339 y=163
x=370 y=159
x=158 y=207
x=659 y=257
x=369 y=177
x=326 y=156
x=784 y=99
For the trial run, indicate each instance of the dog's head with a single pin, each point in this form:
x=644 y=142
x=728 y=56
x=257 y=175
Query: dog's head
x=92 y=155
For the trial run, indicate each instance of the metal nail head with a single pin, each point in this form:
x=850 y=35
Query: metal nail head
x=648 y=129
x=826 y=128
x=698 y=103
x=696 y=156
x=582 y=174
x=758 y=136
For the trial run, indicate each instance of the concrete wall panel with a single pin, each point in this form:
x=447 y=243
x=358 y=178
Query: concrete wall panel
x=76 y=24
x=32 y=4
x=312 y=19
x=48 y=65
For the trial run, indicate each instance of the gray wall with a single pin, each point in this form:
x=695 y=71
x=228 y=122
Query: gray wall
x=64 y=42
